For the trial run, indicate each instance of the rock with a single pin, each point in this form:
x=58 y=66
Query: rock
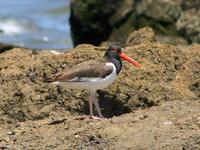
x=142 y=103
x=185 y=4
x=115 y=133
x=166 y=11
x=89 y=20
x=141 y=36
x=98 y=22
x=189 y=25
x=5 y=47
x=162 y=78
x=92 y=21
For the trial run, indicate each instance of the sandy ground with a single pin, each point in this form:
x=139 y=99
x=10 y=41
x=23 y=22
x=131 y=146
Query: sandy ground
x=170 y=125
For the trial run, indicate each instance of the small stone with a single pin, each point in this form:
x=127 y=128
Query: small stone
x=77 y=136
x=4 y=146
x=168 y=123
x=10 y=133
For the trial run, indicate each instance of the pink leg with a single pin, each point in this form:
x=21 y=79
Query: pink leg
x=91 y=106
x=97 y=108
x=94 y=100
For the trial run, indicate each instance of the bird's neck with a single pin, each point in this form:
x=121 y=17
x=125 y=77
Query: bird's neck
x=116 y=62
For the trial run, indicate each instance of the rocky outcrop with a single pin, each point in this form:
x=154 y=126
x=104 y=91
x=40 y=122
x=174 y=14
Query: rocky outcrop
x=189 y=25
x=94 y=21
x=86 y=23
x=5 y=47
x=172 y=125
x=156 y=105
x=143 y=35
x=112 y=21
x=166 y=11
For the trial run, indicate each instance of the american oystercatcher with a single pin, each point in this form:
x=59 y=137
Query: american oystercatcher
x=93 y=75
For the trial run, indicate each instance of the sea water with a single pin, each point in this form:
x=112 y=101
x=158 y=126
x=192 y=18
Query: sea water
x=40 y=24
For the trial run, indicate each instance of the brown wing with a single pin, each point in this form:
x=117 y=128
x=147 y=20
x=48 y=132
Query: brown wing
x=83 y=72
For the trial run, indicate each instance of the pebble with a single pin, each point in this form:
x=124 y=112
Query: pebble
x=10 y=133
x=5 y=146
x=77 y=136
x=168 y=123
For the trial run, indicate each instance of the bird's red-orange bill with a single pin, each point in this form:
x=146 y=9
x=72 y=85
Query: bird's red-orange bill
x=125 y=57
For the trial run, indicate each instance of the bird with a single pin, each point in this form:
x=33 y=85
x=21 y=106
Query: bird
x=93 y=75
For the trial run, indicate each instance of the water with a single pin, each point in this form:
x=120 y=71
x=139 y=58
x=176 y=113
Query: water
x=40 y=24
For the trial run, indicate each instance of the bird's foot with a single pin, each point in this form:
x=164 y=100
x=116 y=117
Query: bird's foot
x=97 y=118
x=90 y=117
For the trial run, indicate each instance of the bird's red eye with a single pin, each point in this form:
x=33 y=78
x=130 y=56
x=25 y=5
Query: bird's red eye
x=116 y=50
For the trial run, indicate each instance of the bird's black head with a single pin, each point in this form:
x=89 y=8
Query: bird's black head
x=113 y=55
x=113 y=52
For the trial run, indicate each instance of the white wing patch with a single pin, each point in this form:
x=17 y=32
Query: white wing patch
x=76 y=79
